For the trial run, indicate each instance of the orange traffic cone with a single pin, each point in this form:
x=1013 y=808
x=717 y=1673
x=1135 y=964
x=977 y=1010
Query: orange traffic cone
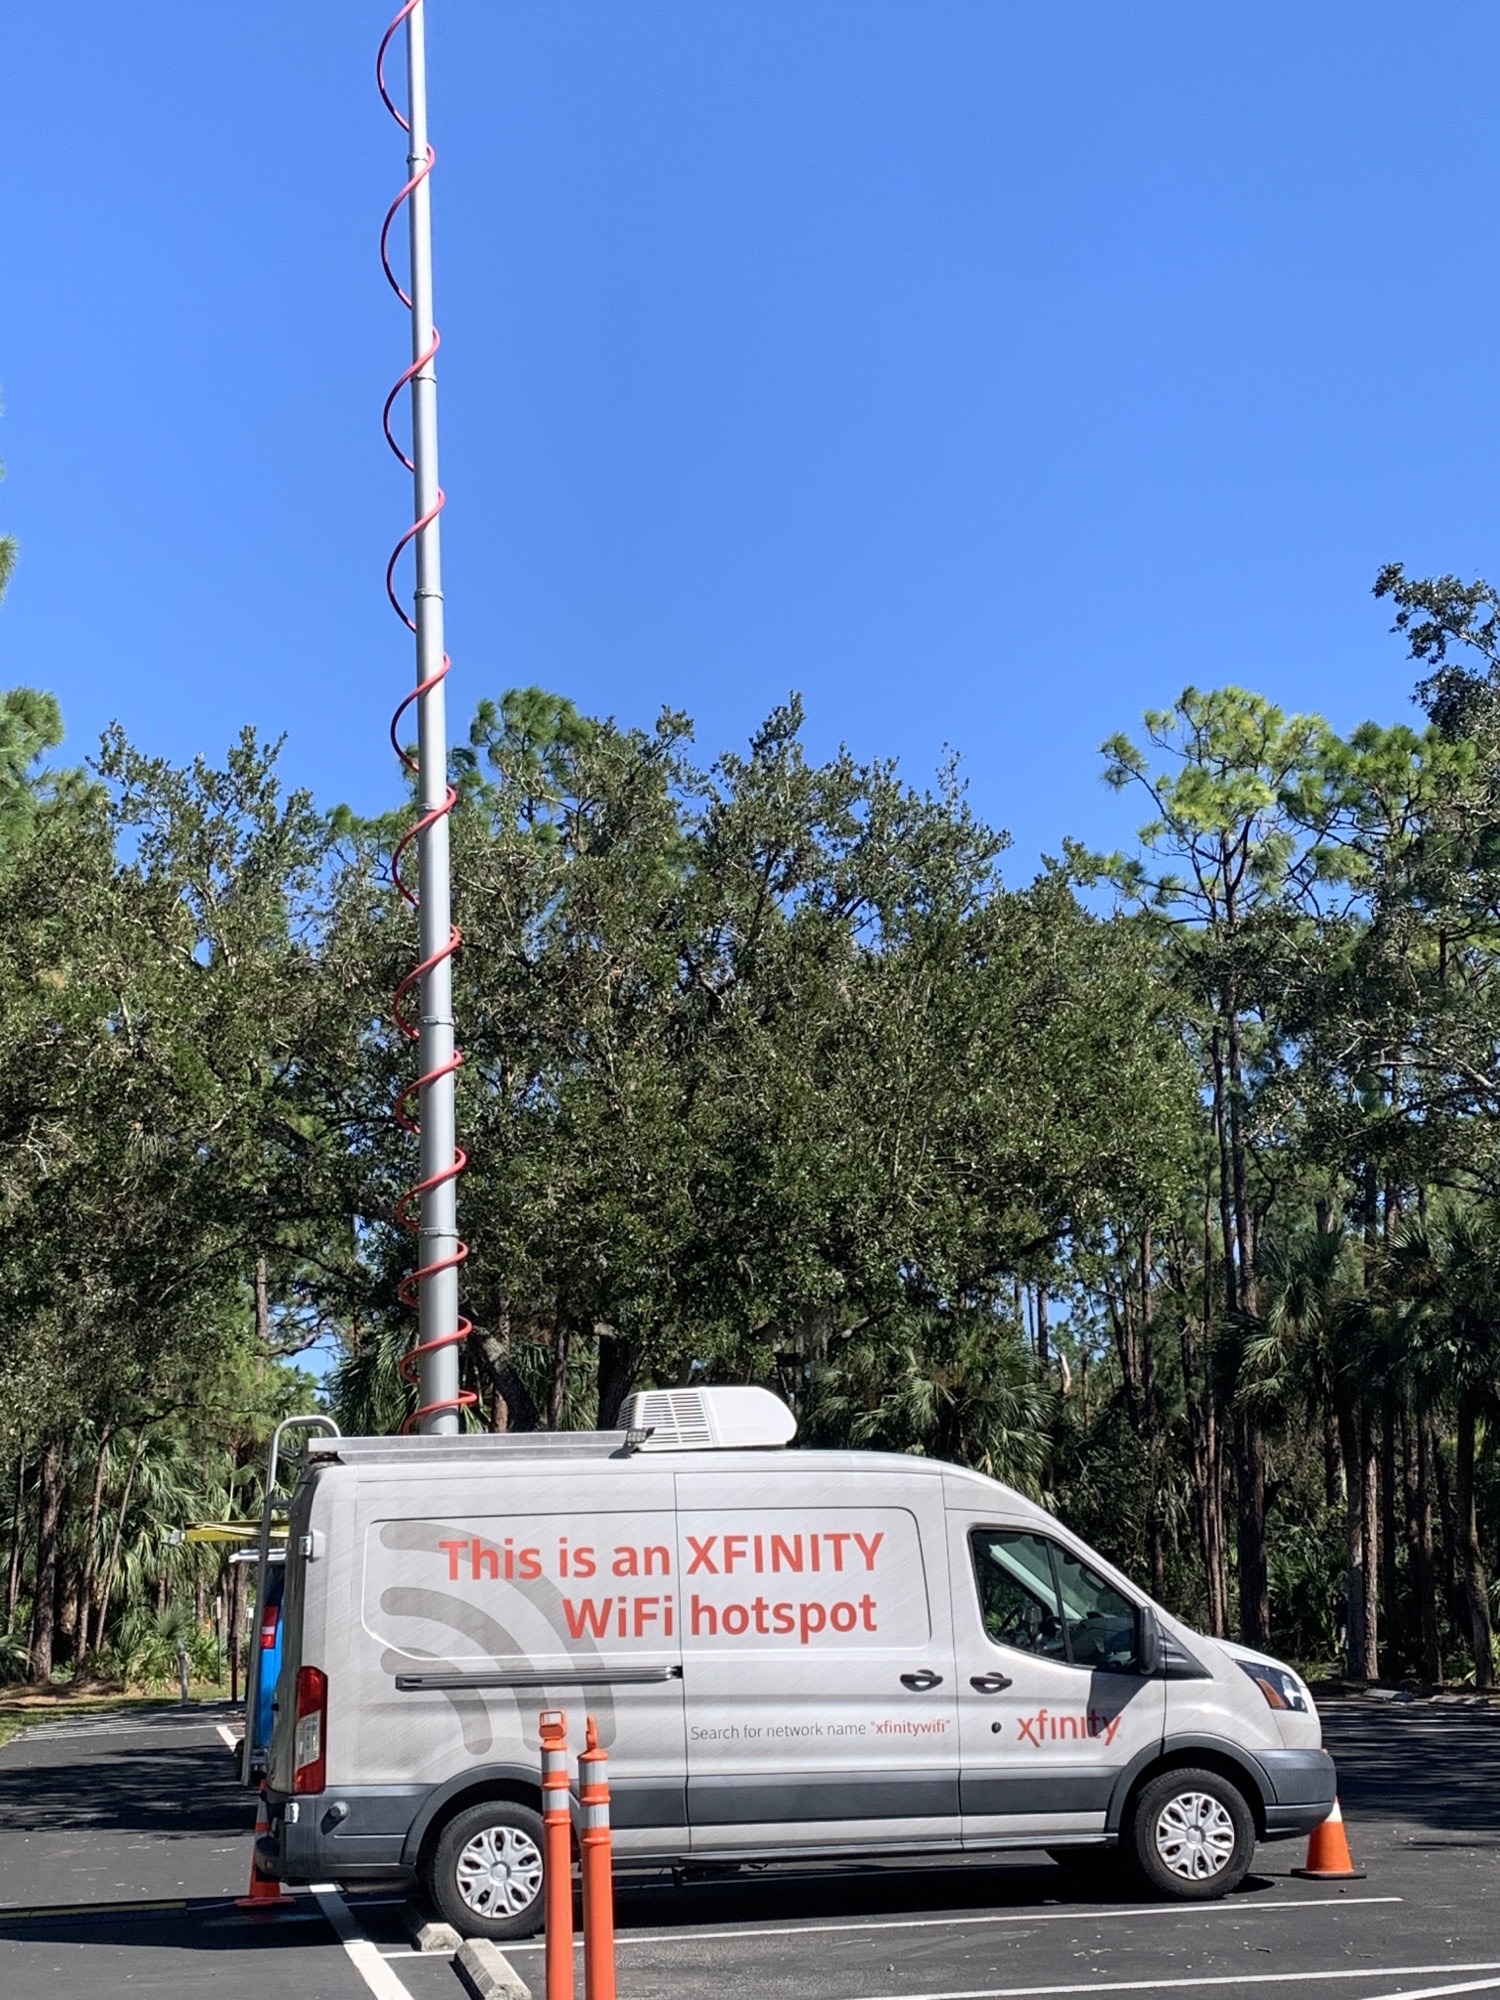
x=265 y=1892
x=1328 y=1856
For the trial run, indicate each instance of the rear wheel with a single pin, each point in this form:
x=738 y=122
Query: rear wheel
x=1191 y=1836
x=485 y=1874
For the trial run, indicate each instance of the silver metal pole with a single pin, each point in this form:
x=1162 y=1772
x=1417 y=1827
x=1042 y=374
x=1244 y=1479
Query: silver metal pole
x=437 y=1306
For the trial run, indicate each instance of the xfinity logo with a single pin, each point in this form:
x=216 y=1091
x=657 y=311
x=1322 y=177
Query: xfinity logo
x=1044 y=1728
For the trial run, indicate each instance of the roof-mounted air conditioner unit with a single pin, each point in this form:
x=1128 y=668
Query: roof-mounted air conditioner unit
x=709 y=1419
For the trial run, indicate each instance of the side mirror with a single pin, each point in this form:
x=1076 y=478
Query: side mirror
x=1148 y=1647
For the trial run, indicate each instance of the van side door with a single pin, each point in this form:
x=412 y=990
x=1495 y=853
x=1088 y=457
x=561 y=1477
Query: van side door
x=817 y=1659
x=1052 y=1701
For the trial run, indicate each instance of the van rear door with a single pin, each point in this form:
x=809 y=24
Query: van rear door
x=817 y=1658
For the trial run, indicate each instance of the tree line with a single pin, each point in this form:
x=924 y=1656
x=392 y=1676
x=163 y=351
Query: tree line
x=1163 y=1186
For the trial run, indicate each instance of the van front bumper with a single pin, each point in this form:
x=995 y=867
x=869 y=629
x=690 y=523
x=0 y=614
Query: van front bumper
x=1301 y=1786
x=349 y=1835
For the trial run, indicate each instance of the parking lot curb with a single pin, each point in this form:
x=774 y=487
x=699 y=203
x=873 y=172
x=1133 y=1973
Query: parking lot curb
x=426 y=1932
x=488 y=1973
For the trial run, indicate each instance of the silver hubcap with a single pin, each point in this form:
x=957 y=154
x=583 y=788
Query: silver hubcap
x=500 y=1872
x=1195 y=1836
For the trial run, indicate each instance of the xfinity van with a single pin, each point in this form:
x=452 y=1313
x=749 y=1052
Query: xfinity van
x=789 y=1654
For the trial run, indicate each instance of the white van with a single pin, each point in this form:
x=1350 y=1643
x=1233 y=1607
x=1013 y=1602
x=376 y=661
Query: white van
x=790 y=1654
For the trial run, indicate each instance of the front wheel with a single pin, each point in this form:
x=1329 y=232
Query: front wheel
x=485 y=1875
x=1191 y=1836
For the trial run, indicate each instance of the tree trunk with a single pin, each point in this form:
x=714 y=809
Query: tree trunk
x=557 y=1399
x=1226 y=1201
x=64 y=1625
x=17 y=1529
x=1354 y=1542
x=617 y=1365
x=1250 y=1454
x=1476 y=1585
x=1155 y=1527
x=1394 y=1662
x=1244 y=1227
x=1423 y=1572
x=511 y=1405
x=1203 y=1429
x=1453 y=1591
x=107 y=1586
x=1255 y=1588
x=49 y=1496
x=90 y=1551
x=262 y=1317
x=1333 y=1470
x=1370 y=1535
x=1043 y=1350
x=1208 y=1493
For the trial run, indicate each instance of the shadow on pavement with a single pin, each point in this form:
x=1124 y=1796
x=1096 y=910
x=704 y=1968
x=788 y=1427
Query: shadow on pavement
x=198 y=1926
x=1430 y=1768
x=156 y=1790
x=767 y=1895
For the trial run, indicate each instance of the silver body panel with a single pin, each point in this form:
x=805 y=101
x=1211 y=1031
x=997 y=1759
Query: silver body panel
x=783 y=1651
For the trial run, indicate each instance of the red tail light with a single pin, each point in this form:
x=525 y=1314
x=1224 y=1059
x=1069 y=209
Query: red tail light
x=269 y=1619
x=310 y=1744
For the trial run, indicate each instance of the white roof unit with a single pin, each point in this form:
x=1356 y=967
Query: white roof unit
x=709 y=1419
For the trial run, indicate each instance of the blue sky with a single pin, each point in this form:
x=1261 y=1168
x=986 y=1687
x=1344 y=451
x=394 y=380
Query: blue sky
x=986 y=372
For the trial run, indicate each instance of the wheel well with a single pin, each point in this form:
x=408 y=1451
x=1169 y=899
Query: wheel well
x=482 y=1790
x=1201 y=1760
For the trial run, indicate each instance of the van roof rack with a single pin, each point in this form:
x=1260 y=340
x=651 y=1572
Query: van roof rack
x=656 y=1420
x=469 y=1445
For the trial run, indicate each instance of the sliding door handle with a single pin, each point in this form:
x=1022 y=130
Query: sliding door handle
x=923 y=1679
x=989 y=1683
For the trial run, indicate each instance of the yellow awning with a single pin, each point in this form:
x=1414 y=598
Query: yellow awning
x=231 y=1531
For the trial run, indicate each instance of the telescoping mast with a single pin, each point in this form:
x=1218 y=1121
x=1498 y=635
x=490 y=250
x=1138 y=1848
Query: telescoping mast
x=423 y=1004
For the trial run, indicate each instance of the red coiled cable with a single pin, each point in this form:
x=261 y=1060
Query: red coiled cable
x=409 y=1289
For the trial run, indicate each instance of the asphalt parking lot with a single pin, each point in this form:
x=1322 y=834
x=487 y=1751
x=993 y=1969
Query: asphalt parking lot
x=123 y=1841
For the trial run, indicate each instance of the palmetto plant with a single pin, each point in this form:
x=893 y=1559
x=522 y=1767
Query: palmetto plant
x=956 y=1386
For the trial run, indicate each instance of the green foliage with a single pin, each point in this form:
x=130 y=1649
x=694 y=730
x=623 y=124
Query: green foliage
x=1180 y=1217
x=14 y=1654
x=144 y=1653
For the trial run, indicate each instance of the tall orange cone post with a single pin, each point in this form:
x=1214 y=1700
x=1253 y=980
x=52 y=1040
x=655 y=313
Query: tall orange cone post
x=265 y=1892
x=557 y=1857
x=598 y=1872
x=1328 y=1856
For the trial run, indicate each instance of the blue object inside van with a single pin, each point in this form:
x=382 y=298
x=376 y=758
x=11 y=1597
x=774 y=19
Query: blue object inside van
x=267 y=1667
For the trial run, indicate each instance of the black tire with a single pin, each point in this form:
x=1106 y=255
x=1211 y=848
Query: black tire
x=484 y=1874
x=1191 y=1837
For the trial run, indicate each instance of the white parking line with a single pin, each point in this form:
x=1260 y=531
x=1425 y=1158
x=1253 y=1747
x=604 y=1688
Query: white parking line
x=363 y=1956
x=1201 y=1984
x=1075 y=1913
x=227 y=1736
x=1436 y=1992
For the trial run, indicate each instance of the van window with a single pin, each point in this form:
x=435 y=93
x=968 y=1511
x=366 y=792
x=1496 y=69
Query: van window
x=1100 y=1622
x=1039 y=1598
x=1017 y=1591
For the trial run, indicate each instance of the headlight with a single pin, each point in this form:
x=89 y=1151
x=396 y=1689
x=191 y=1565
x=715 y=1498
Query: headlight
x=1280 y=1688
